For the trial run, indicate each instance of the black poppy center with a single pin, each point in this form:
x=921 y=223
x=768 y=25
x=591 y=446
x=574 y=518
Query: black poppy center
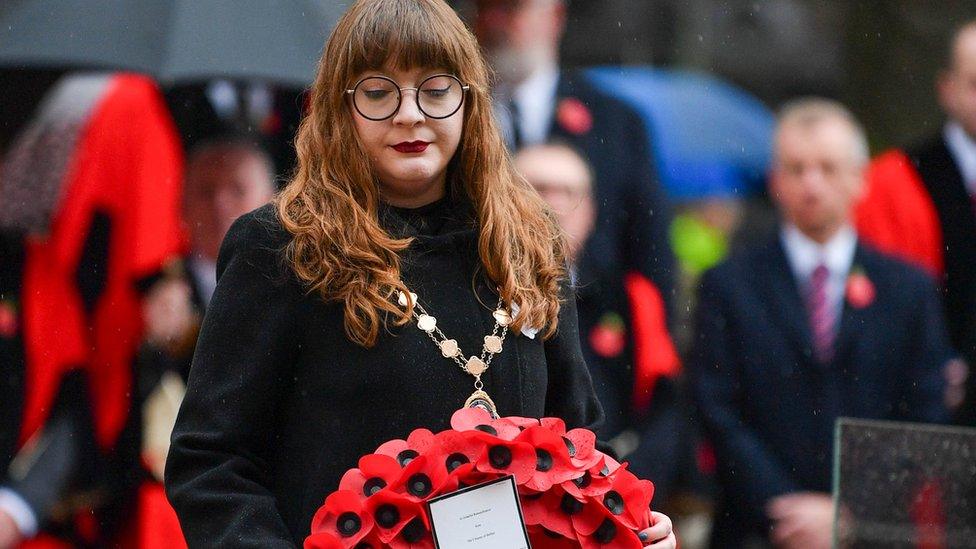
x=570 y=447
x=487 y=429
x=363 y=545
x=419 y=485
x=373 y=485
x=406 y=456
x=614 y=502
x=500 y=457
x=455 y=460
x=543 y=460
x=348 y=524
x=583 y=481
x=606 y=532
x=387 y=515
x=414 y=531
x=570 y=505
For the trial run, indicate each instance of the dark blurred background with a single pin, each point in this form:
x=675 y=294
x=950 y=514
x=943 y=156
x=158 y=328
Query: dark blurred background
x=877 y=56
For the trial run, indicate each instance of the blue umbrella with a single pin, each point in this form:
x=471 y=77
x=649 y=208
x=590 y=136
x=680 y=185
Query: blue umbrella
x=710 y=138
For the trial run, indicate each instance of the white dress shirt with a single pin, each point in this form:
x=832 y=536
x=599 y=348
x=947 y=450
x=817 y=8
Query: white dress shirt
x=837 y=254
x=204 y=273
x=535 y=100
x=19 y=511
x=963 y=150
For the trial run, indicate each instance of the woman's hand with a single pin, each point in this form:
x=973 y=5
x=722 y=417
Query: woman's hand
x=660 y=534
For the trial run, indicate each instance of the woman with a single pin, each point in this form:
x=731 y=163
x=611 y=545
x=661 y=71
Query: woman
x=307 y=359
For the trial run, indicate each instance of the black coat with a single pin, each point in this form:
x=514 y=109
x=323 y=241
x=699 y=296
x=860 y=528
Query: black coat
x=957 y=221
x=280 y=402
x=633 y=214
x=769 y=407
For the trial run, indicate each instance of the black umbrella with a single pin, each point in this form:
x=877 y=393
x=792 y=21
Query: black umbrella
x=173 y=40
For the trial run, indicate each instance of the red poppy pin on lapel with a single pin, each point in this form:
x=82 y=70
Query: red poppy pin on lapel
x=8 y=319
x=574 y=116
x=860 y=290
x=609 y=337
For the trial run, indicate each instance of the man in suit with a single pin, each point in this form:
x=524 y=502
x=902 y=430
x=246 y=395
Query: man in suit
x=624 y=335
x=812 y=326
x=537 y=102
x=929 y=191
x=227 y=175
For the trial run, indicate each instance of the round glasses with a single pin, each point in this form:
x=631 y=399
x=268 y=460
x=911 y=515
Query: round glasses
x=379 y=97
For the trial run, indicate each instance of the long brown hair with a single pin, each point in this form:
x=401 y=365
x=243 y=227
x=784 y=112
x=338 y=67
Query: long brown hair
x=330 y=206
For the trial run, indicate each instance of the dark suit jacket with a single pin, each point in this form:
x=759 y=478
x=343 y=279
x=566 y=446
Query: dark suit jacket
x=633 y=217
x=957 y=219
x=767 y=405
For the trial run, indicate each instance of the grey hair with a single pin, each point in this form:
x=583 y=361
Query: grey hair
x=808 y=111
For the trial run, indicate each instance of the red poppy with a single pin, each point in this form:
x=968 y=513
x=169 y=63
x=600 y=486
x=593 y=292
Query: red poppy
x=460 y=449
x=375 y=472
x=554 y=424
x=343 y=517
x=523 y=422
x=424 y=477
x=404 y=451
x=506 y=457
x=860 y=290
x=415 y=535
x=581 y=444
x=594 y=481
x=478 y=419
x=544 y=539
x=628 y=499
x=598 y=529
x=574 y=116
x=391 y=512
x=553 y=464
x=559 y=512
x=8 y=319
x=371 y=541
x=609 y=337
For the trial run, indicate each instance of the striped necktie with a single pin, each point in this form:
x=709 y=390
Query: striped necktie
x=822 y=315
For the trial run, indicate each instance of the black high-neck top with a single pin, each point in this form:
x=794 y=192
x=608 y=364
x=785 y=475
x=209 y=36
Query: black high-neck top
x=427 y=220
x=280 y=403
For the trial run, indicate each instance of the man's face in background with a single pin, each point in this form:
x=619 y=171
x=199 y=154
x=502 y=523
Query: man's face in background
x=519 y=36
x=957 y=84
x=817 y=175
x=564 y=181
x=223 y=182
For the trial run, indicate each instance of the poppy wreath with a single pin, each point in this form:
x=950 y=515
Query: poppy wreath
x=572 y=494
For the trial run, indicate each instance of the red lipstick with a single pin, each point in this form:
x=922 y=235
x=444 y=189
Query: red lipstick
x=411 y=146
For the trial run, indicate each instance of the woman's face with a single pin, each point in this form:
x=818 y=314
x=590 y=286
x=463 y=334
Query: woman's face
x=409 y=151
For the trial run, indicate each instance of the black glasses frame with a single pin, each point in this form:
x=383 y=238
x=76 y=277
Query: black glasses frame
x=416 y=96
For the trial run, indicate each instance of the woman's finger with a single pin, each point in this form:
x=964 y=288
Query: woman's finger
x=659 y=532
x=669 y=542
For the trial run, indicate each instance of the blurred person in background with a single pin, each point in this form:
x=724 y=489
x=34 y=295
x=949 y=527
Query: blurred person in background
x=90 y=171
x=810 y=327
x=536 y=101
x=227 y=175
x=620 y=323
x=205 y=109
x=921 y=206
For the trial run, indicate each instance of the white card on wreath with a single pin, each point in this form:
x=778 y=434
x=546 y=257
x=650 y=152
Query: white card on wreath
x=485 y=516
